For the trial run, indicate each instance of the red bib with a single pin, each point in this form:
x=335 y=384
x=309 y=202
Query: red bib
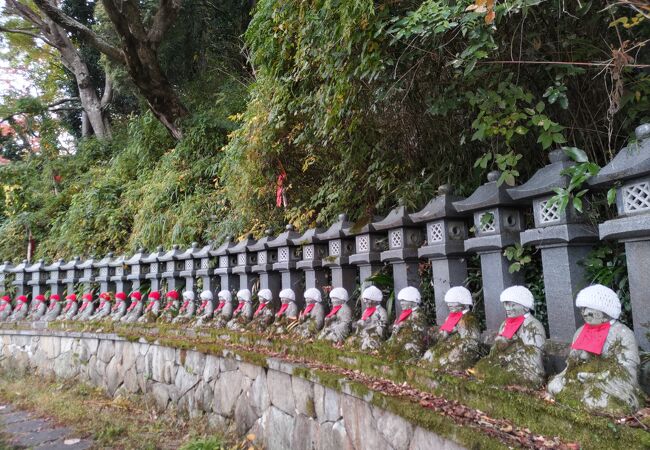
x=185 y=303
x=402 y=317
x=68 y=305
x=168 y=306
x=221 y=305
x=101 y=304
x=308 y=309
x=239 y=307
x=283 y=308
x=368 y=312
x=204 y=303
x=52 y=305
x=451 y=322
x=150 y=305
x=3 y=306
x=133 y=305
x=592 y=338
x=83 y=306
x=334 y=311
x=259 y=308
x=512 y=325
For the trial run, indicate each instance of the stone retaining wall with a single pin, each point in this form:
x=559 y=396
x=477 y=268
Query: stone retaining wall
x=284 y=411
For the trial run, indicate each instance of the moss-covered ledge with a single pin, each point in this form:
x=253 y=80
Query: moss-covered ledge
x=453 y=406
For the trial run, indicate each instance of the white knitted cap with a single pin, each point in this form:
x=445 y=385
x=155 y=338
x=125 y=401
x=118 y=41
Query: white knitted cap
x=225 y=295
x=313 y=294
x=188 y=295
x=600 y=298
x=206 y=295
x=459 y=294
x=265 y=294
x=244 y=294
x=518 y=294
x=339 y=293
x=409 y=294
x=288 y=293
x=373 y=294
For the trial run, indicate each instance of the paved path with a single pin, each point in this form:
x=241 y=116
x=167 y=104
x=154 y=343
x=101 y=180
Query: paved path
x=24 y=430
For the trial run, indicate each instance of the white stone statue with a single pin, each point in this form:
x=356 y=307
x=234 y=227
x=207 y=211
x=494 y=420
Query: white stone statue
x=54 y=308
x=187 y=309
x=312 y=319
x=70 y=308
x=150 y=313
x=224 y=310
x=287 y=315
x=457 y=341
x=119 y=309
x=5 y=307
x=370 y=331
x=244 y=311
x=170 y=310
x=409 y=337
x=602 y=372
x=206 y=309
x=37 y=309
x=20 y=311
x=516 y=358
x=264 y=315
x=134 y=311
x=104 y=308
x=86 y=309
x=339 y=320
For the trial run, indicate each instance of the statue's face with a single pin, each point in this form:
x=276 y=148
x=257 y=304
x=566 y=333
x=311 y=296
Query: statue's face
x=310 y=301
x=594 y=317
x=455 y=307
x=408 y=305
x=369 y=303
x=284 y=300
x=337 y=301
x=514 y=309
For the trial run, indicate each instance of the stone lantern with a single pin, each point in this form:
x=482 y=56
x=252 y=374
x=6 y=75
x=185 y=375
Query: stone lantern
x=54 y=276
x=206 y=269
x=340 y=245
x=36 y=274
x=497 y=223
x=118 y=275
x=310 y=257
x=229 y=281
x=155 y=267
x=20 y=278
x=630 y=169
x=171 y=266
x=136 y=269
x=266 y=257
x=288 y=256
x=244 y=261
x=87 y=277
x=367 y=251
x=564 y=238
x=404 y=238
x=104 y=272
x=6 y=268
x=190 y=263
x=446 y=231
x=71 y=274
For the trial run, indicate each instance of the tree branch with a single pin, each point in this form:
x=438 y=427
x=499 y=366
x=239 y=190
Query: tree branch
x=164 y=18
x=85 y=33
x=47 y=107
x=26 y=33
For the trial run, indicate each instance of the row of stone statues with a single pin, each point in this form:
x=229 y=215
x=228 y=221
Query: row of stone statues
x=601 y=372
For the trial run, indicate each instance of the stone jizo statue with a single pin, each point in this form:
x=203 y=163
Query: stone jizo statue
x=457 y=341
x=54 y=308
x=170 y=310
x=244 y=311
x=187 y=309
x=602 y=372
x=38 y=308
x=369 y=332
x=70 y=308
x=86 y=309
x=119 y=309
x=5 y=307
x=206 y=309
x=312 y=318
x=21 y=309
x=104 y=308
x=264 y=314
x=287 y=315
x=516 y=358
x=152 y=309
x=338 y=322
x=134 y=311
x=408 y=338
x=224 y=310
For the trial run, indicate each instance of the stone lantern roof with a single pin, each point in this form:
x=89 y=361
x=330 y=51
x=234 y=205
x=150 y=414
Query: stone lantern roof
x=6 y=267
x=310 y=236
x=631 y=162
x=153 y=257
x=546 y=179
x=339 y=229
x=224 y=248
x=244 y=258
x=262 y=243
x=172 y=254
x=118 y=261
x=487 y=195
x=397 y=218
x=439 y=207
x=56 y=265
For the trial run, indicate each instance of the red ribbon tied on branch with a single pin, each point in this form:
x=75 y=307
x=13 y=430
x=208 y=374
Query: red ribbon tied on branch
x=280 y=196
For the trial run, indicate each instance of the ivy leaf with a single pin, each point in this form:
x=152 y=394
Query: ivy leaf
x=576 y=154
x=577 y=204
x=611 y=196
